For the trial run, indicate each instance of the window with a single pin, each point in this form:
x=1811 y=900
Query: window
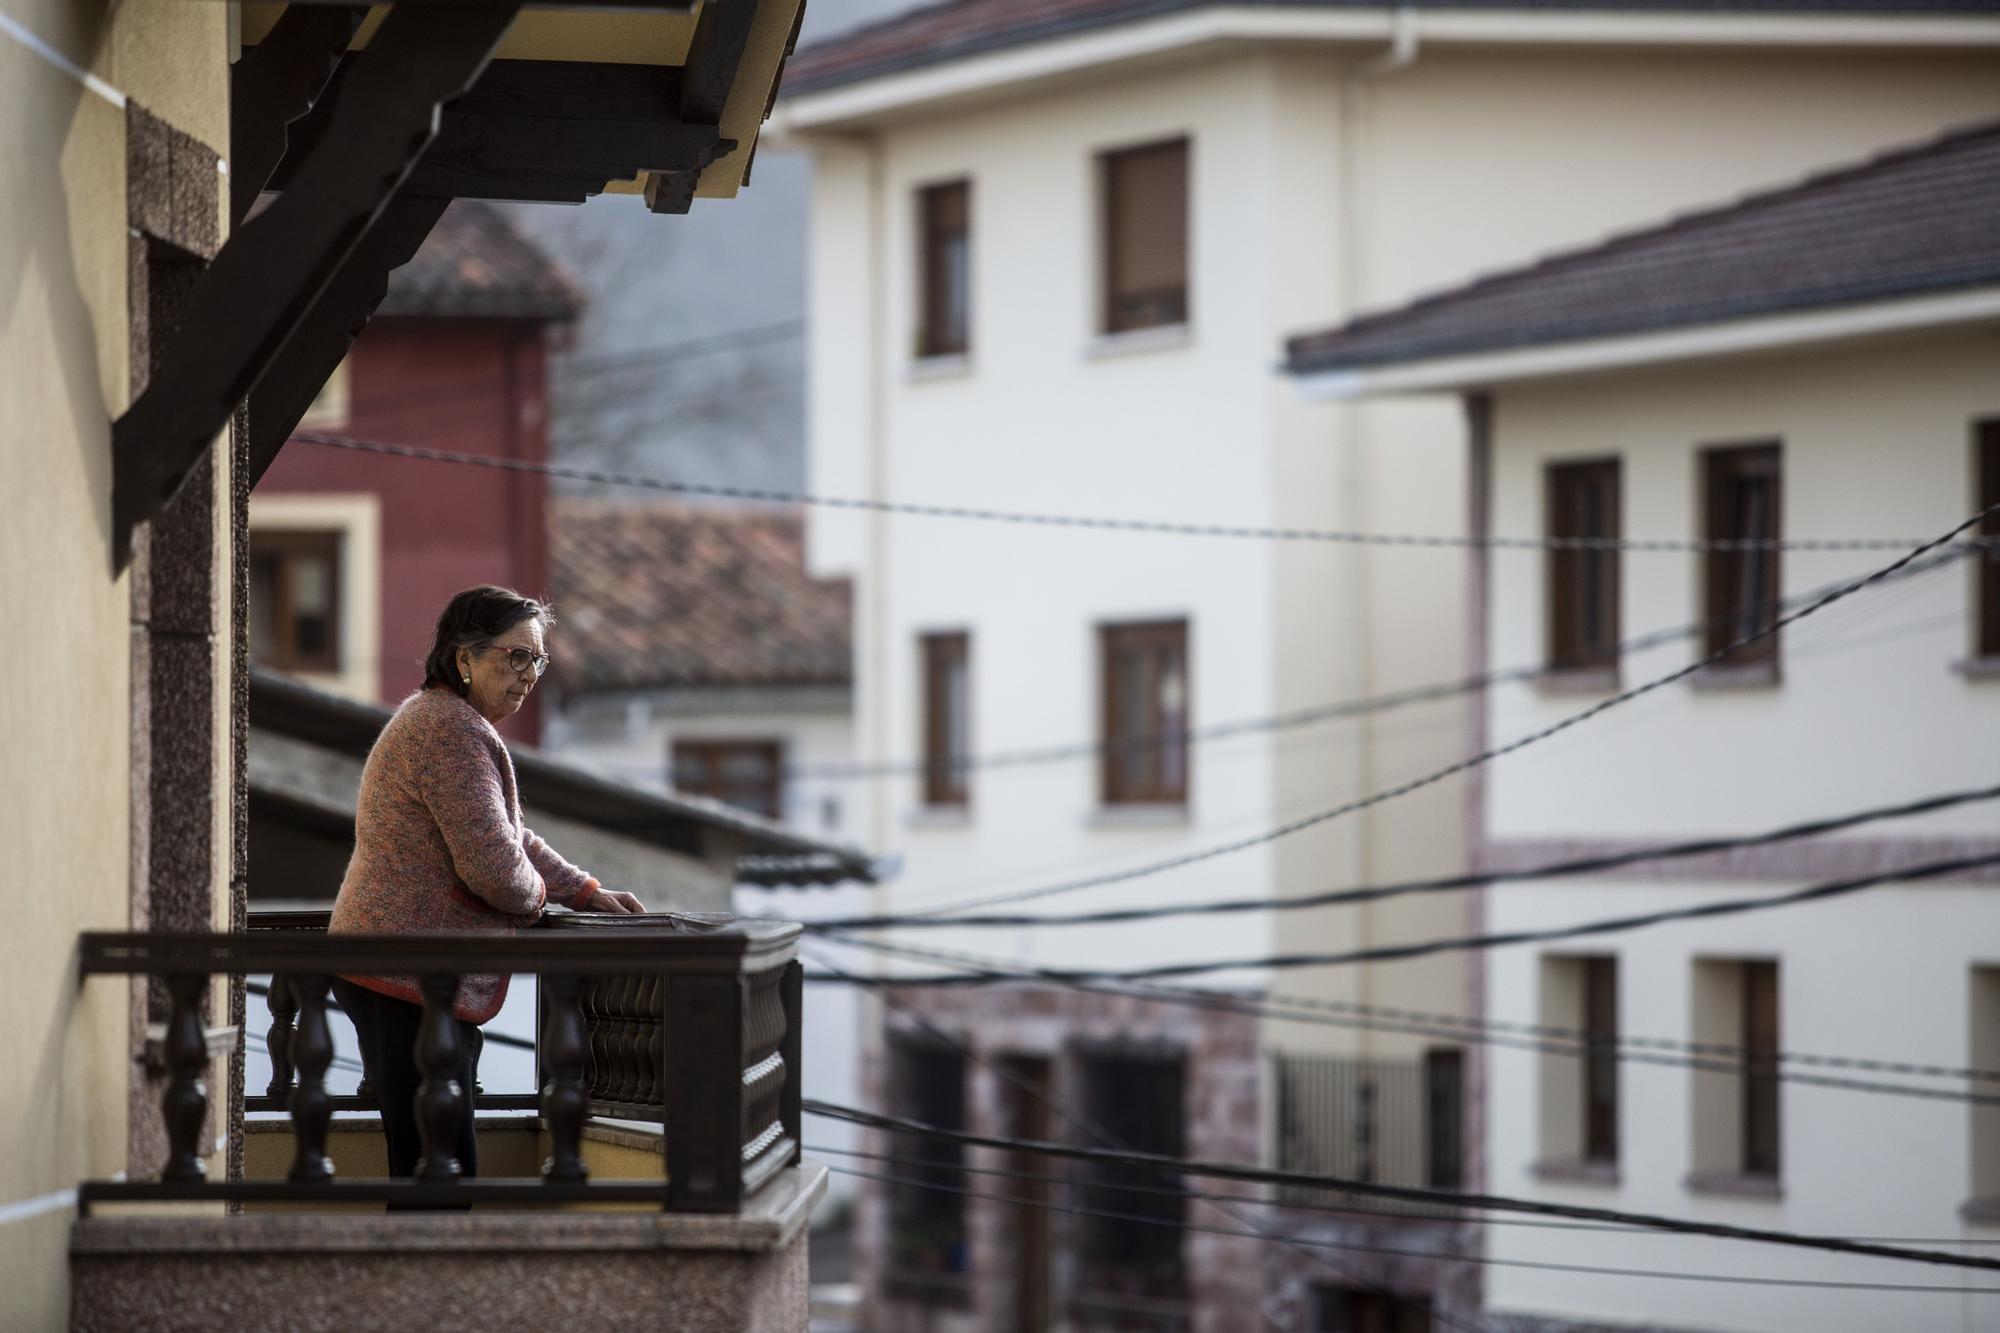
x=1600 y=1061
x=1344 y=1310
x=1988 y=444
x=295 y=600
x=1738 y=1143
x=746 y=774
x=1145 y=213
x=1145 y=713
x=1444 y=1118
x=947 y=717
x=1985 y=1117
x=1743 y=503
x=1583 y=584
x=929 y=1248
x=1760 y=1068
x=330 y=407
x=1139 y=1101
x=944 y=281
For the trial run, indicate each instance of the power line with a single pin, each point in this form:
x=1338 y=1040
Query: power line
x=1406 y=1193
x=914 y=509
x=1307 y=1206
x=1440 y=884
x=1397 y=952
x=1356 y=1247
x=1473 y=761
x=1716 y=1059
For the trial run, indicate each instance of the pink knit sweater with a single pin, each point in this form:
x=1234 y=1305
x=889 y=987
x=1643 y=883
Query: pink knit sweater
x=439 y=844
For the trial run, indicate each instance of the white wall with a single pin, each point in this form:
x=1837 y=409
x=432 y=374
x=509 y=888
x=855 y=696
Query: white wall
x=1876 y=442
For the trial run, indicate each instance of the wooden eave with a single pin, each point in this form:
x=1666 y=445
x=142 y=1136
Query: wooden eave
x=368 y=122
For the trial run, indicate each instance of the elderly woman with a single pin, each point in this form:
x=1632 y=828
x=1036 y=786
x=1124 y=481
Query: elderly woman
x=439 y=845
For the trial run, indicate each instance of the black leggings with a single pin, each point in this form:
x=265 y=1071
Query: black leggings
x=387 y=1029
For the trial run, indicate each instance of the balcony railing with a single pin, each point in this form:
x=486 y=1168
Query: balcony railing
x=690 y=1022
x=1394 y=1122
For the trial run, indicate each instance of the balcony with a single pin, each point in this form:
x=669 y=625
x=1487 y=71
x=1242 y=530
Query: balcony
x=655 y=1175
x=1392 y=1122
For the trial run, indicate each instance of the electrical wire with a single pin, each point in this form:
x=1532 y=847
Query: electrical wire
x=1700 y=545
x=1767 y=1067
x=1439 y=884
x=1407 y=1193
x=1453 y=1215
x=1397 y=952
x=1356 y=1247
x=1480 y=758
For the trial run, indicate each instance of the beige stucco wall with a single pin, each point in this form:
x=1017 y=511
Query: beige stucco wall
x=1876 y=441
x=64 y=799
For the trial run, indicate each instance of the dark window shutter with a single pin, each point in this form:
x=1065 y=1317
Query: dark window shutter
x=1583 y=608
x=1146 y=236
x=1989 y=560
x=944 y=218
x=1744 y=502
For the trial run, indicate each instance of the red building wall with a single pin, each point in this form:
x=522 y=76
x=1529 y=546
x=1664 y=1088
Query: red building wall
x=473 y=386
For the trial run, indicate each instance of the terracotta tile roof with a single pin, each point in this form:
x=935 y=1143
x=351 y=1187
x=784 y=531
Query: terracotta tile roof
x=654 y=596
x=961 y=28
x=476 y=265
x=1916 y=221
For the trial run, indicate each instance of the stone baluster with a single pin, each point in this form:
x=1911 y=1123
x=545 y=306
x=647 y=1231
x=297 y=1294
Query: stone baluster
x=311 y=1108
x=278 y=1038
x=565 y=1100
x=440 y=1098
x=184 y=1104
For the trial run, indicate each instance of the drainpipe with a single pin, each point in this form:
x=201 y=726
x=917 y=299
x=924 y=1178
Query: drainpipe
x=1404 y=42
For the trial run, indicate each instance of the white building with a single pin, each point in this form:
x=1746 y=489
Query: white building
x=1815 y=362
x=1055 y=251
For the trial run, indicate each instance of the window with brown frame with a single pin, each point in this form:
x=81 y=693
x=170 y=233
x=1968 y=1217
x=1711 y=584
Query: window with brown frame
x=947 y=717
x=1760 y=1067
x=295 y=600
x=944 y=278
x=1987 y=441
x=1145 y=713
x=1744 y=503
x=745 y=774
x=1583 y=501
x=1137 y=1099
x=930 y=1246
x=1145 y=216
x=1600 y=1059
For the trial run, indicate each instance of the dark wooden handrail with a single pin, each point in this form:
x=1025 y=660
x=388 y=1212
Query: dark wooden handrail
x=693 y=1021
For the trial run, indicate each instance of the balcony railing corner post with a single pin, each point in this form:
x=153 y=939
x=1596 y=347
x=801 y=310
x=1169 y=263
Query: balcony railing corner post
x=704 y=1096
x=793 y=990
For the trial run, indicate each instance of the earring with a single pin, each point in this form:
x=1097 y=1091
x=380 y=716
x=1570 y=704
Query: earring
x=466 y=679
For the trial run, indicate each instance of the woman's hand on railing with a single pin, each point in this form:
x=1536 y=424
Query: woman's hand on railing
x=615 y=901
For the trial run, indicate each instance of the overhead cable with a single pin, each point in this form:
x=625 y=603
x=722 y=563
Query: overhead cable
x=1439 y=884
x=1446 y=1256
x=1407 y=1193
x=1473 y=761
x=769 y=495
x=1388 y=953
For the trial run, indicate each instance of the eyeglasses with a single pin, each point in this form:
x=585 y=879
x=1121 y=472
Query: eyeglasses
x=520 y=659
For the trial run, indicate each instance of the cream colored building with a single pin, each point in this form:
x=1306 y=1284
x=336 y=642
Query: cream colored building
x=122 y=780
x=1814 y=363
x=1335 y=159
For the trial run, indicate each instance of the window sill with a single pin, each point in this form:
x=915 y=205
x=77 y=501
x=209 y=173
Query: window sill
x=945 y=366
x=1575 y=1171
x=1982 y=1212
x=1754 y=675
x=1579 y=680
x=1735 y=1184
x=1978 y=668
x=1135 y=342
x=939 y=817
x=1161 y=815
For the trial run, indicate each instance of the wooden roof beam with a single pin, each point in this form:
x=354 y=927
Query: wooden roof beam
x=269 y=274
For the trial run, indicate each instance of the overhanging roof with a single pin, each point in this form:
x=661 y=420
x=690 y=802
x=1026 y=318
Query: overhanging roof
x=1907 y=239
x=772 y=854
